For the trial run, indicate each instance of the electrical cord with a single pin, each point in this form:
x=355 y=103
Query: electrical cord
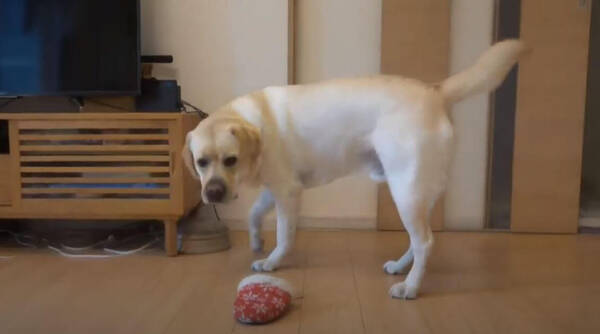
x=216 y=212
x=68 y=251
x=200 y=113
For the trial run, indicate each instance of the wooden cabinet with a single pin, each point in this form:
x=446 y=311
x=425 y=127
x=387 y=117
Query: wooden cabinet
x=98 y=166
x=4 y=180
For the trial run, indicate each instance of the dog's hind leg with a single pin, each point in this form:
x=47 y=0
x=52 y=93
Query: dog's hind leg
x=413 y=209
x=402 y=265
x=261 y=207
x=415 y=167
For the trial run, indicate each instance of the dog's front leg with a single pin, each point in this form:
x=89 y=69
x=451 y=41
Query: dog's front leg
x=261 y=207
x=287 y=204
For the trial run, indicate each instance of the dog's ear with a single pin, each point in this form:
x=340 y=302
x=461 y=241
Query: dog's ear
x=250 y=146
x=188 y=158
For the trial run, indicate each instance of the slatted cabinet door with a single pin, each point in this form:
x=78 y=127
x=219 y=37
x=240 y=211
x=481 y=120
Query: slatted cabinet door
x=94 y=167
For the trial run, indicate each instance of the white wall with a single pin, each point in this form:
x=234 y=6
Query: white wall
x=227 y=48
x=221 y=49
x=339 y=38
x=471 y=34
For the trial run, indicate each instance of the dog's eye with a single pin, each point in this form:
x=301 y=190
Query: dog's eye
x=203 y=162
x=230 y=161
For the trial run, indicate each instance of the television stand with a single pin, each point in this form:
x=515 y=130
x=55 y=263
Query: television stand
x=98 y=166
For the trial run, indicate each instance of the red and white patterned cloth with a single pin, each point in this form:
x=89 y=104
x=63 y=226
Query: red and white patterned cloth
x=261 y=299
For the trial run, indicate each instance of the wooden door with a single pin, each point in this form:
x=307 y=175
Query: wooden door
x=415 y=39
x=549 y=119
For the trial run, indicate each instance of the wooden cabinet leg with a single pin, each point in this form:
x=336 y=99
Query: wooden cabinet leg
x=170 y=237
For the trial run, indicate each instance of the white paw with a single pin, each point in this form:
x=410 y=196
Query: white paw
x=257 y=245
x=403 y=291
x=263 y=265
x=392 y=268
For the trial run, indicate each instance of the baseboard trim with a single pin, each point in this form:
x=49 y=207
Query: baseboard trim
x=311 y=223
x=589 y=222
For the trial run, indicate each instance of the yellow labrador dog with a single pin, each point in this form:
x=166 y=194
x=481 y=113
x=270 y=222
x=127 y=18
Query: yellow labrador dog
x=295 y=137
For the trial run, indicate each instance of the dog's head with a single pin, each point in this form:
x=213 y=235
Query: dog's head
x=223 y=152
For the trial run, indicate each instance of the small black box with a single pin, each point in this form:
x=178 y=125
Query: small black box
x=159 y=96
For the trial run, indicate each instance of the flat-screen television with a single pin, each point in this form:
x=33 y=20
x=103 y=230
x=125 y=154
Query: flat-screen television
x=69 y=47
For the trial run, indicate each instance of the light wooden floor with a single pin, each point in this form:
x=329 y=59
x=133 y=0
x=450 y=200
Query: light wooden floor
x=476 y=283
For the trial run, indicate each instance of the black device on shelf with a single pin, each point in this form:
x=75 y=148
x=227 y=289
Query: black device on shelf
x=158 y=95
x=163 y=59
x=69 y=47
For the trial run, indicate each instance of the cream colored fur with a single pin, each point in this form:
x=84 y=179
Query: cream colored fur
x=295 y=137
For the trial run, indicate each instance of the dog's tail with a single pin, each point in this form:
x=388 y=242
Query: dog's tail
x=486 y=74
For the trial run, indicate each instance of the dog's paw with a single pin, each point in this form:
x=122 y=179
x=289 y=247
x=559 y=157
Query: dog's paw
x=257 y=245
x=403 y=291
x=392 y=268
x=263 y=265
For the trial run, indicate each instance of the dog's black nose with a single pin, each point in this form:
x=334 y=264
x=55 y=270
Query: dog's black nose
x=215 y=190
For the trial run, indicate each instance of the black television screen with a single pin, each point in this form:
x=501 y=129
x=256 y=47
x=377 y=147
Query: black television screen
x=69 y=47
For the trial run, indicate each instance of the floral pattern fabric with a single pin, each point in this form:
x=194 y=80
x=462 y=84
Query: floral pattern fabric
x=260 y=303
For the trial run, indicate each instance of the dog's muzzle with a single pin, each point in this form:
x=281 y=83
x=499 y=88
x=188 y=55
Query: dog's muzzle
x=215 y=190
